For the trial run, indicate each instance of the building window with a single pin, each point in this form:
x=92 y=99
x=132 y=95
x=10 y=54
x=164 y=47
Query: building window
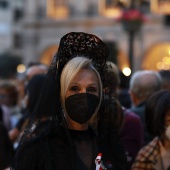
x=110 y=8
x=111 y=3
x=18 y=14
x=4 y=4
x=17 y=41
x=160 y=6
x=145 y=6
x=57 y=9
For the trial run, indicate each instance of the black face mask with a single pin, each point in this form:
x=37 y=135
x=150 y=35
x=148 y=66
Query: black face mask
x=81 y=107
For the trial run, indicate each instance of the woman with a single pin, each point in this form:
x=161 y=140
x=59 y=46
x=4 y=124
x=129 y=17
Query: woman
x=61 y=134
x=156 y=155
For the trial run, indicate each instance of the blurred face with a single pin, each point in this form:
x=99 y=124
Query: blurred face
x=34 y=70
x=84 y=82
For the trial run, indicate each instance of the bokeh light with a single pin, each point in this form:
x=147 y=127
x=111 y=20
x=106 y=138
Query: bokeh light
x=126 y=71
x=21 y=68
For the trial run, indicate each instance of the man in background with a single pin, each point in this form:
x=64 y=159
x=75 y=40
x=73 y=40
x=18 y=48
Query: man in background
x=142 y=85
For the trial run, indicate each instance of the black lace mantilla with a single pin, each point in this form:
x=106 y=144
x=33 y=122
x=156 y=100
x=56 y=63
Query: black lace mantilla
x=71 y=45
x=78 y=43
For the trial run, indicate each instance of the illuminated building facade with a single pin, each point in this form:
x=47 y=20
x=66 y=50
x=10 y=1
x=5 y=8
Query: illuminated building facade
x=36 y=34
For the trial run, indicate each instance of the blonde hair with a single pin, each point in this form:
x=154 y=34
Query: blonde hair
x=69 y=72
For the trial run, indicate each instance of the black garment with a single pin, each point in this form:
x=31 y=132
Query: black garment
x=86 y=148
x=1 y=114
x=124 y=98
x=140 y=111
x=54 y=151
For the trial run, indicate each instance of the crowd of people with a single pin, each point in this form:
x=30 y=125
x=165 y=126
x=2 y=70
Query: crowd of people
x=79 y=113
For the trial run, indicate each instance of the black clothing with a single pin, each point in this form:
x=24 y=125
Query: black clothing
x=53 y=151
x=86 y=148
x=1 y=114
x=140 y=111
x=124 y=98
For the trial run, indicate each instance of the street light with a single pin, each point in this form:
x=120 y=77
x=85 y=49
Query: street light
x=132 y=20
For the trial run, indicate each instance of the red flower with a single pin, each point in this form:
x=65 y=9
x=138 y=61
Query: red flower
x=132 y=15
x=132 y=19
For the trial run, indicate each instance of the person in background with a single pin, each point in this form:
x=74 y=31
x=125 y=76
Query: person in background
x=9 y=98
x=132 y=131
x=143 y=84
x=6 y=149
x=32 y=70
x=35 y=69
x=33 y=91
x=165 y=75
x=60 y=135
x=123 y=90
x=156 y=154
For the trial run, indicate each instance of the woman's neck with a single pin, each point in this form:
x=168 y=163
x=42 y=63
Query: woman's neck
x=166 y=143
x=76 y=126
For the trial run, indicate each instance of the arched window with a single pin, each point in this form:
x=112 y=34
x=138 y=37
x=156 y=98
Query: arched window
x=48 y=54
x=157 y=57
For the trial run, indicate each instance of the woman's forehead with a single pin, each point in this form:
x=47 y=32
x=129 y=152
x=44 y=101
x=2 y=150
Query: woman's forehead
x=85 y=75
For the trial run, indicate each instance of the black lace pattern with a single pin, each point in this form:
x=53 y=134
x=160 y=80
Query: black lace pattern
x=79 y=44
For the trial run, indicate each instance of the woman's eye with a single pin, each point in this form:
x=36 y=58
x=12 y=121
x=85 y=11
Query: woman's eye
x=92 y=89
x=74 y=88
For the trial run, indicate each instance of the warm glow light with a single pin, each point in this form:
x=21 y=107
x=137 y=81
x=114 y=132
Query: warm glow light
x=160 y=7
x=159 y=65
x=113 y=12
x=165 y=66
x=57 y=9
x=126 y=71
x=166 y=60
x=21 y=68
x=157 y=54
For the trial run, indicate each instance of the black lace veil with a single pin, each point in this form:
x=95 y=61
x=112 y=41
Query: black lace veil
x=49 y=108
x=48 y=105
